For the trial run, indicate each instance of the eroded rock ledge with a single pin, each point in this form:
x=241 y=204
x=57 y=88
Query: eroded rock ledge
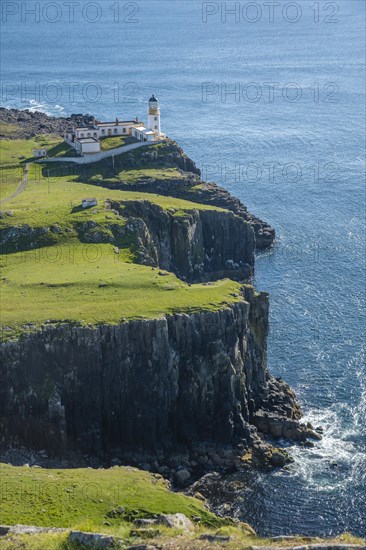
x=201 y=245
x=189 y=186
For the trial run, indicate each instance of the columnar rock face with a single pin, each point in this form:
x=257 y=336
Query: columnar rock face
x=208 y=193
x=201 y=245
x=140 y=384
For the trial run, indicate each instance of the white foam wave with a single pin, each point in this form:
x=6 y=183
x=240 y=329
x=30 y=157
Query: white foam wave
x=339 y=458
x=32 y=105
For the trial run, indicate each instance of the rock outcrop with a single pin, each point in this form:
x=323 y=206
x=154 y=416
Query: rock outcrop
x=197 y=245
x=188 y=186
x=200 y=245
x=27 y=124
x=210 y=194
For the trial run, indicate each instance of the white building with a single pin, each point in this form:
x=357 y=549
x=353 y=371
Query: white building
x=39 y=153
x=86 y=140
x=87 y=146
x=87 y=203
x=153 y=130
x=143 y=134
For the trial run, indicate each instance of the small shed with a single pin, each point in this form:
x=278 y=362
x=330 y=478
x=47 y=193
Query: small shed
x=87 y=146
x=39 y=153
x=143 y=134
x=88 y=203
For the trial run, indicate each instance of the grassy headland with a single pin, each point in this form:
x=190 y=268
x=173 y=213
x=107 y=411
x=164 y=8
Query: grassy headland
x=51 y=271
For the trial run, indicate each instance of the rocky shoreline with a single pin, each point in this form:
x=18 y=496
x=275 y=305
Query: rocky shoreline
x=28 y=124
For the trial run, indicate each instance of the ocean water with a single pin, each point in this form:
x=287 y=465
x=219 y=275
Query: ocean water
x=270 y=104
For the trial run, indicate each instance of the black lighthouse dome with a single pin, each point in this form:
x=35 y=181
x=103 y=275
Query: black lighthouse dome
x=153 y=99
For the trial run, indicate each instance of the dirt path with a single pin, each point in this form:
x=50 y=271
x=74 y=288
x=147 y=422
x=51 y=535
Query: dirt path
x=21 y=187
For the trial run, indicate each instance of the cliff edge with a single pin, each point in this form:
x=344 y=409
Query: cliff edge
x=130 y=331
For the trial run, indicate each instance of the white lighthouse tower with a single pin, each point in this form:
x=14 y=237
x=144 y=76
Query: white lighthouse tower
x=154 y=116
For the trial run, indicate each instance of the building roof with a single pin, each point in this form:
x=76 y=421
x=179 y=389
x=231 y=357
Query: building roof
x=85 y=128
x=94 y=199
x=144 y=130
x=119 y=123
x=88 y=140
x=153 y=99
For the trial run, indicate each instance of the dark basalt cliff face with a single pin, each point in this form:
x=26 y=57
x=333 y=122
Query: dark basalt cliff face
x=142 y=384
x=189 y=187
x=201 y=245
x=180 y=381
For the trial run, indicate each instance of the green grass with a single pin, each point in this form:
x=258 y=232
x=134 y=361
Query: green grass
x=97 y=174
x=13 y=152
x=10 y=179
x=105 y=171
x=60 y=278
x=45 y=202
x=80 y=498
x=112 y=142
x=73 y=497
x=8 y=130
x=131 y=176
x=63 y=283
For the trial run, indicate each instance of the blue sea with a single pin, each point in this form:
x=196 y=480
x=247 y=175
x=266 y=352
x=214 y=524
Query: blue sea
x=269 y=100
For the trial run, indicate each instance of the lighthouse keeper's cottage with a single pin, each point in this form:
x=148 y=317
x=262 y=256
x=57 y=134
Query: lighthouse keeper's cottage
x=86 y=140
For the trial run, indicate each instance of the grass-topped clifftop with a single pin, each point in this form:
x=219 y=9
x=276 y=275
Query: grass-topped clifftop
x=62 y=262
x=69 y=498
x=90 y=284
x=109 y=501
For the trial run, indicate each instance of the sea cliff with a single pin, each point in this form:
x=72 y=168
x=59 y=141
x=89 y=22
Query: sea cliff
x=156 y=385
x=178 y=380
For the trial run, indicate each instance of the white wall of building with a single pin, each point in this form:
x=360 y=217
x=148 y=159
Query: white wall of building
x=143 y=134
x=85 y=133
x=90 y=148
x=100 y=131
x=38 y=153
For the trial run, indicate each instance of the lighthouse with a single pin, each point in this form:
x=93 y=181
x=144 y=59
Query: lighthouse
x=154 y=116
